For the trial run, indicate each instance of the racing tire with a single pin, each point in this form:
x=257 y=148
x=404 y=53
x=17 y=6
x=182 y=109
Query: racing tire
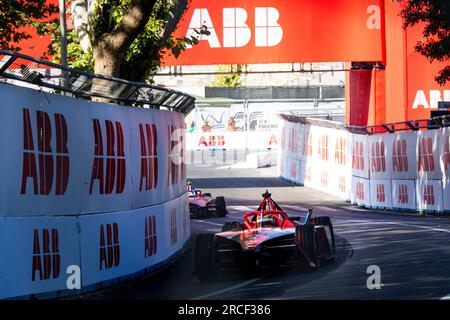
x=205 y=268
x=221 y=208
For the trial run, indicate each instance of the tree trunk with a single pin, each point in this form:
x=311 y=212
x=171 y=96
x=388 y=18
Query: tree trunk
x=110 y=49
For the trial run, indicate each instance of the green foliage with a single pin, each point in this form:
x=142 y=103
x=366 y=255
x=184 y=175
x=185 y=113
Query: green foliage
x=15 y=14
x=229 y=76
x=144 y=55
x=76 y=57
x=436 y=16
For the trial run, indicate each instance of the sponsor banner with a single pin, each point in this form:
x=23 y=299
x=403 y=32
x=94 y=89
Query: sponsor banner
x=67 y=156
x=313 y=175
x=233 y=140
x=280 y=31
x=446 y=194
x=429 y=195
x=360 y=156
x=340 y=182
x=174 y=221
x=401 y=148
x=41 y=142
x=380 y=194
x=110 y=176
x=445 y=152
x=404 y=194
x=150 y=246
x=309 y=143
x=108 y=246
x=148 y=149
x=36 y=253
x=340 y=149
x=428 y=155
x=360 y=192
x=379 y=150
x=282 y=166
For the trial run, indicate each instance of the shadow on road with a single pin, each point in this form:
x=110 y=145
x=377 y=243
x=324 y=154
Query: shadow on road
x=239 y=182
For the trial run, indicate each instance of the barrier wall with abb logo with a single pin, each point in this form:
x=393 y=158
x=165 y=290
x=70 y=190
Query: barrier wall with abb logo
x=62 y=156
x=408 y=170
x=232 y=140
x=90 y=185
x=108 y=247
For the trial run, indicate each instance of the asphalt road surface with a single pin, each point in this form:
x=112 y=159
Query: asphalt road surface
x=412 y=252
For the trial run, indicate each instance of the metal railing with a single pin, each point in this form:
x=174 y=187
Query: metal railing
x=391 y=127
x=86 y=85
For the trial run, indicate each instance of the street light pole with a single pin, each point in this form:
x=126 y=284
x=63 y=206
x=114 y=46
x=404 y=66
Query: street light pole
x=63 y=37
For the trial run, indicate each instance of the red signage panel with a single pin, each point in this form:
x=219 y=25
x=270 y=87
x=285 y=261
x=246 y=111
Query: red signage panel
x=269 y=31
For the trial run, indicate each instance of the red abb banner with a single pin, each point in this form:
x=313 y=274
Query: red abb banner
x=269 y=31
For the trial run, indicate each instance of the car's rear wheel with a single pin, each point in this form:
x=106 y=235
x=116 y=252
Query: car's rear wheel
x=205 y=268
x=221 y=208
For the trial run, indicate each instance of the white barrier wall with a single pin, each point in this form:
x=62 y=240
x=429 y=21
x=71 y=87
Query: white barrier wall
x=405 y=171
x=90 y=185
x=67 y=156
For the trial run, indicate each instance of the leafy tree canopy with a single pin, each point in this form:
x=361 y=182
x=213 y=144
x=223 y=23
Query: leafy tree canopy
x=435 y=14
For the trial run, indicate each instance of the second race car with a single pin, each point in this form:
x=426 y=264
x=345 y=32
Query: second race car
x=266 y=237
x=203 y=204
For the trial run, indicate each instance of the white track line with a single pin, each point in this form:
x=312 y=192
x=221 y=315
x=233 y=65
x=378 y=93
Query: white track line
x=326 y=208
x=297 y=208
x=215 y=293
x=213 y=223
x=447 y=297
x=241 y=208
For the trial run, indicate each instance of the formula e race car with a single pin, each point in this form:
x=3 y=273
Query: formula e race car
x=203 y=205
x=267 y=237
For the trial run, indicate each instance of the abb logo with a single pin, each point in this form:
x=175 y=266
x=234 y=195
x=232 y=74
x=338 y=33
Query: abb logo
x=381 y=196
x=186 y=217
x=399 y=156
x=403 y=194
x=324 y=179
x=150 y=237
x=434 y=97
x=109 y=246
x=428 y=195
x=342 y=184
x=358 y=156
x=340 y=153
x=46 y=261
x=293 y=170
x=149 y=156
x=53 y=164
x=378 y=157
x=212 y=141
x=308 y=174
x=173 y=227
x=114 y=172
x=273 y=140
x=447 y=153
x=425 y=162
x=236 y=32
x=283 y=139
x=359 y=190
x=307 y=145
x=323 y=147
x=292 y=141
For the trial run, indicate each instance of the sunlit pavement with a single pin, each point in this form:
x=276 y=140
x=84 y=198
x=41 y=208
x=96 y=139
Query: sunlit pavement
x=412 y=252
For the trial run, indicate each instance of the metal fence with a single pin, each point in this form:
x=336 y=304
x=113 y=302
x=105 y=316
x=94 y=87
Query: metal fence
x=85 y=85
x=391 y=127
